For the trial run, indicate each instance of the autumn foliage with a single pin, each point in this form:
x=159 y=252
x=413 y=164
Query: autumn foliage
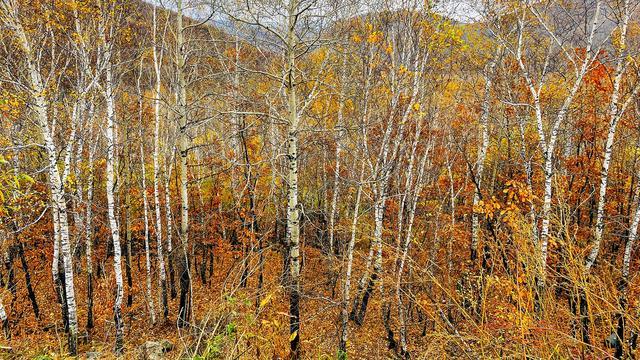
x=302 y=179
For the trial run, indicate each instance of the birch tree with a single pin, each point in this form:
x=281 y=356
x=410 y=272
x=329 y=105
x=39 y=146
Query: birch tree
x=10 y=15
x=183 y=148
x=145 y=206
x=407 y=63
x=482 y=150
x=111 y=184
x=346 y=292
x=617 y=107
x=294 y=27
x=157 y=61
x=548 y=139
x=107 y=32
x=169 y=219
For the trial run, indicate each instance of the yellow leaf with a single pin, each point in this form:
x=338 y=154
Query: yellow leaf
x=265 y=300
x=374 y=37
x=293 y=336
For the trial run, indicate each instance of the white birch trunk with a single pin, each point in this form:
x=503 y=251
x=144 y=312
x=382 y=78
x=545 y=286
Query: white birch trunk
x=5 y=321
x=111 y=202
x=344 y=311
x=482 y=153
x=162 y=279
x=633 y=234
x=293 y=215
x=147 y=251
x=169 y=219
x=405 y=250
x=88 y=228
x=615 y=113
x=548 y=144
x=336 y=183
x=185 y=276
x=59 y=212
x=167 y=205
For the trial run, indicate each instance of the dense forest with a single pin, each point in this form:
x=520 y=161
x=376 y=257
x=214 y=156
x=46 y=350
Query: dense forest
x=300 y=179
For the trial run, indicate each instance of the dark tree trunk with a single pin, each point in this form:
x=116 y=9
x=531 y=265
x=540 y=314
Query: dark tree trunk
x=210 y=262
x=578 y=306
x=89 y=300
x=584 y=318
x=203 y=265
x=356 y=303
x=63 y=296
x=11 y=280
x=6 y=329
x=618 y=336
x=172 y=282
x=386 y=317
x=250 y=223
x=11 y=277
x=127 y=268
x=245 y=264
x=619 y=345
x=365 y=298
x=260 y=274
x=27 y=280
x=185 y=284
x=294 y=321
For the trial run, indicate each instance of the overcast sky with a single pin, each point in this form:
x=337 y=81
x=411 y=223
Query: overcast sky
x=460 y=10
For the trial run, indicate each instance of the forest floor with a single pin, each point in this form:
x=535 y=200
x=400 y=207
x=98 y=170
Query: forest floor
x=227 y=324
x=225 y=314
